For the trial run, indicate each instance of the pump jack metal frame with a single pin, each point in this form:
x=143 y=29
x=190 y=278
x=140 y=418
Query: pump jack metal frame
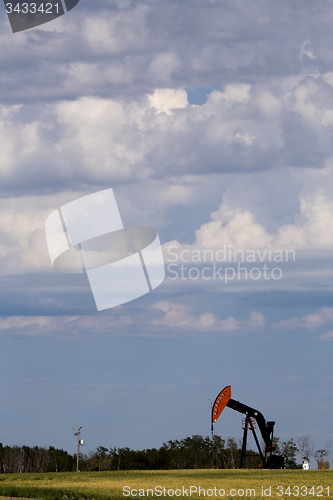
x=249 y=423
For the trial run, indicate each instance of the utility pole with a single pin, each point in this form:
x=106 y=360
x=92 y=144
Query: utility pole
x=211 y=413
x=78 y=449
x=212 y=431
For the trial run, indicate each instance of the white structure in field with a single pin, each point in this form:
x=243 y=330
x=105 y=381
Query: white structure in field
x=87 y=235
x=306 y=464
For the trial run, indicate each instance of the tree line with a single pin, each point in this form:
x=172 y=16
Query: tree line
x=194 y=452
x=15 y=459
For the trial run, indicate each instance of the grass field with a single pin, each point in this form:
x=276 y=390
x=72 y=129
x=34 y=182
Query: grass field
x=255 y=484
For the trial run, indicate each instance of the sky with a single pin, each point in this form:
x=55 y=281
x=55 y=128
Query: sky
x=213 y=123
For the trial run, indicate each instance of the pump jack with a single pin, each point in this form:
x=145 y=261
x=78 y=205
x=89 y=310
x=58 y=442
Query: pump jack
x=269 y=460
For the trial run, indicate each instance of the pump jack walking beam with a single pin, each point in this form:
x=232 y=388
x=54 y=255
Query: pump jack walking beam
x=266 y=428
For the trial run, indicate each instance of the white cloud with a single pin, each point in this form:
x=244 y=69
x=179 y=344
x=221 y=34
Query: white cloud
x=112 y=32
x=326 y=336
x=314 y=229
x=164 y=65
x=310 y=322
x=163 y=316
x=268 y=104
x=169 y=315
x=165 y=100
x=180 y=316
x=237 y=92
x=240 y=231
x=166 y=42
x=22 y=235
x=22 y=221
x=72 y=325
x=307 y=50
x=238 y=228
x=151 y=136
x=96 y=140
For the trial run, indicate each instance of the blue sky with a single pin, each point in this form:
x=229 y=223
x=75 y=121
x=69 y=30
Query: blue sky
x=212 y=122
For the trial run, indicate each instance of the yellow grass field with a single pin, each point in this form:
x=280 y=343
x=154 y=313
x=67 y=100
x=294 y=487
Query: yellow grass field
x=195 y=484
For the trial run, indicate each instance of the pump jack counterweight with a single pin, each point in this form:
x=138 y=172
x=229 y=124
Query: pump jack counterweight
x=269 y=460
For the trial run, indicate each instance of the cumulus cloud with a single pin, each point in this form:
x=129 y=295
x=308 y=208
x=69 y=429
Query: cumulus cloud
x=313 y=322
x=72 y=325
x=101 y=101
x=164 y=316
x=310 y=322
x=23 y=239
x=95 y=140
x=181 y=317
x=184 y=43
x=22 y=235
x=165 y=100
x=236 y=227
x=232 y=228
x=326 y=336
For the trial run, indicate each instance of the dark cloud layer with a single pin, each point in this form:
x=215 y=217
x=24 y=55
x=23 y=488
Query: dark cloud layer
x=111 y=55
x=141 y=45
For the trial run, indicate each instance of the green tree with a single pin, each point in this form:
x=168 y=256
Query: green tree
x=102 y=458
x=2 y=455
x=289 y=450
x=320 y=456
x=232 y=453
x=218 y=452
